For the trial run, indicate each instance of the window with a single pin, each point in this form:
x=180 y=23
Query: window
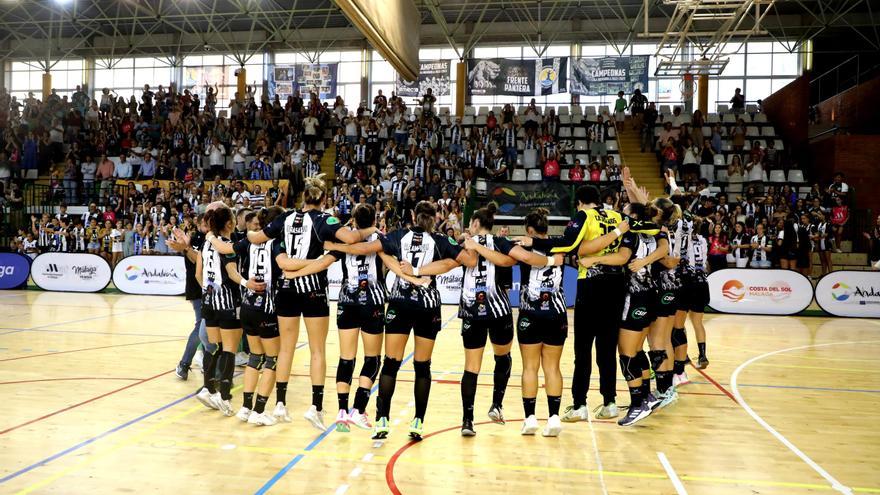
x=27 y=76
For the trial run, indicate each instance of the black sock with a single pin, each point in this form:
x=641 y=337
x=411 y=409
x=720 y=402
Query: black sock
x=678 y=367
x=422 y=387
x=468 y=392
x=664 y=380
x=361 y=397
x=529 y=406
x=635 y=397
x=387 y=383
x=248 y=401
x=281 y=392
x=702 y=347
x=343 y=401
x=260 y=405
x=646 y=386
x=209 y=368
x=318 y=397
x=226 y=368
x=553 y=402
x=502 y=375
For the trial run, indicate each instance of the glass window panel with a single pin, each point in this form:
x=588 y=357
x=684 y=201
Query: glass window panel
x=735 y=65
x=785 y=64
x=778 y=84
x=383 y=72
x=485 y=52
x=758 y=89
x=726 y=88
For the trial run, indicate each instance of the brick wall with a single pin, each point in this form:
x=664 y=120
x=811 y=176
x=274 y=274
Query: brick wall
x=858 y=157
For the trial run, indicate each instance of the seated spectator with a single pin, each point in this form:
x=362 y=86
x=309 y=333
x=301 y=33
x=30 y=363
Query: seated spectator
x=595 y=173
x=551 y=168
x=576 y=173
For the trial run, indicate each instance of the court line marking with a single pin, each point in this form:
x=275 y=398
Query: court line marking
x=87 y=401
x=46 y=330
x=66 y=322
x=293 y=462
x=93 y=348
x=713 y=382
x=16 y=382
x=673 y=476
x=835 y=484
x=599 y=466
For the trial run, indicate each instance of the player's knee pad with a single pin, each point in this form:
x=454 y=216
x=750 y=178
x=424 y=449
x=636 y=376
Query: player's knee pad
x=630 y=367
x=642 y=360
x=345 y=370
x=370 y=369
x=271 y=363
x=679 y=337
x=390 y=366
x=255 y=361
x=423 y=369
x=657 y=357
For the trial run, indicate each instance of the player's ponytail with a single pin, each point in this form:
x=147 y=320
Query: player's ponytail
x=668 y=211
x=537 y=220
x=425 y=215
x=266 y=215
x=486 y=216
x=315 y=190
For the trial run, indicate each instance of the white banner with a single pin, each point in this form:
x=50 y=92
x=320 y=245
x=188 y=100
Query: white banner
x=70 y=272
x=850 y=293
x=151 y=275
x=761 y=292
x=449 y=285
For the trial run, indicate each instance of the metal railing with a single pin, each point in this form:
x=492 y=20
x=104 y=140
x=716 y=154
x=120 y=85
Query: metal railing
x=843 y=76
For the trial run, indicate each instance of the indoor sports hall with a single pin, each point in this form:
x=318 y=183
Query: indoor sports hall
x=439 y=246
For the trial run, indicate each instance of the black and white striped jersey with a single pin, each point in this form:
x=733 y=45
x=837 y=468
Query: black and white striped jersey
x=698 y=257
x=218 y=290
x=739 y=240
x=482 y=297
x=758 y=254
x=257 y=261
x=363 y=283
x=540 y=289
x=664 y=277
x=640 y=245
x=79 y=239
x=302 y=235
x=418 y=248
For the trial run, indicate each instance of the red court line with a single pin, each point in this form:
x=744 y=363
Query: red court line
x=65 y=379
x=93 y=349
x=389 y=467
x=93 y=399
x=717 y=385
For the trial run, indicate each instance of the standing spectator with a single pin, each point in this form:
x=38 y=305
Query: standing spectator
x=598 y=135
x=738 y=102
x=761 y=248
x=718 y=248
x=576 y=174
x=619 y=111
x=838 y=188
x=551 y=168
x=29 y=155
x=839 y=218
x=122 y=170
x=873 y=237
x=637 y=103
x=216 y=154
x=70 y=182
x=105 y=174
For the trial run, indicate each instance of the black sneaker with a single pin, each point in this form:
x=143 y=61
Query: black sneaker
x=635 y=414
x=467 y=428
x=651 y=401
x=182 y=372
x=495 y=414
x=702 y=363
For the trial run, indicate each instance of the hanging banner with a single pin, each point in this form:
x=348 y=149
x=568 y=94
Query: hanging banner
x=850 y=293
x=285 y=80
x=151 y=275
x=608 y=75
x=70 y=272
x=434 y=74
x=759 y=292
x=501 y=76
x=520 y=198
x=14 y=270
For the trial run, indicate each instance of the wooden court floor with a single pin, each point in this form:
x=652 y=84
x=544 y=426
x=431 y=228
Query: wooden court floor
x=91 y=405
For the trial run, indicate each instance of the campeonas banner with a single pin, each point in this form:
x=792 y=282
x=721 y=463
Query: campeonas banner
x=501 y=76
x=850 y=293
x=520 y=198
x=433 y=74
x=285 y=80
x=760 y=292
x=608 y=75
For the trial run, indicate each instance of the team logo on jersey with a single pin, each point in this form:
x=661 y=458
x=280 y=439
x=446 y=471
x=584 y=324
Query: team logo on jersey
x=639 y=313
x=733 y=290
x=840 y=291
x=390 y=315
x=524 y=323
x=452 y=241
x=668 y=298
x=332 y=221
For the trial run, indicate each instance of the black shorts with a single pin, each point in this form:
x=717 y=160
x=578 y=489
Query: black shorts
x=694 y=296
x=370 y=319
x=667 y=302
x=290 y=304
x=535 y=328
x=639 y=311
x=401 y=319
x=803 y=259
x=227 y=319
x=258 y=324
x=474 y=332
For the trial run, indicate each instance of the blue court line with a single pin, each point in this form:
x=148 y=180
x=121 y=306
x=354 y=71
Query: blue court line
x=293 y=462
x=102 y=435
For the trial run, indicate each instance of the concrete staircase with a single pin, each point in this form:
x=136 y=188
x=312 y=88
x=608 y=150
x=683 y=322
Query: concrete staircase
x=328 y=163
x=644 y=166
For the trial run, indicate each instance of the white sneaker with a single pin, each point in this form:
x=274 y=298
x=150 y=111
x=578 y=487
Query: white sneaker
x=668 y=398
x=553 y=428
x=243 y=414
x=359 y=420
x=530 y=426
x=342 y=421
x=280 y=413
x=262 y=419
x=573 y=415
x=680 y=379
x=607 y=412
x=315 y=417
x=198 y=358
x=206 y=398
x=223 y=405
x=241 y=359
